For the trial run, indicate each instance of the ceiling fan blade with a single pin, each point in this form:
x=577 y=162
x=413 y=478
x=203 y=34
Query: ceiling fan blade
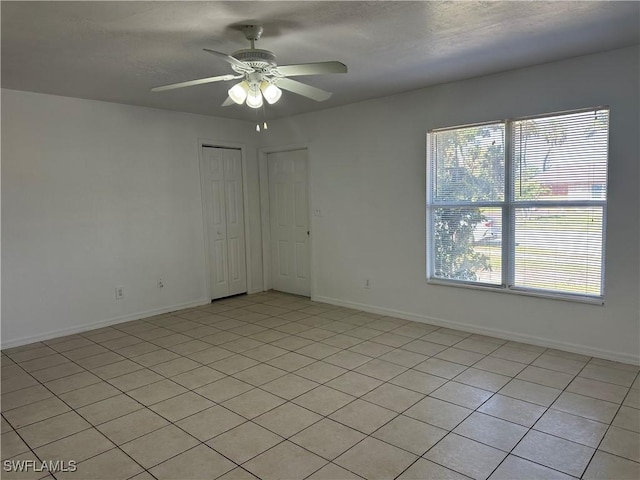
x=191 y=83
x=228 y=102
x=303 y=89
x=230 y=59
x=319 y=68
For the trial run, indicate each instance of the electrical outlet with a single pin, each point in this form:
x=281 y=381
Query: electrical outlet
x=119 y=293
x=367 y=283
x=317 y=212
x=160 y=283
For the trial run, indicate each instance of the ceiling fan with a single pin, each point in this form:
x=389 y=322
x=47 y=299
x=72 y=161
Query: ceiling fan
x=260 y=75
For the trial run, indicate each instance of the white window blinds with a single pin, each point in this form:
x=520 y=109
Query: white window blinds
x=559 y=167
x=526 y=214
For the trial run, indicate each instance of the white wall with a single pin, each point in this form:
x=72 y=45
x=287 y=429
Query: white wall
x=367 y=164
x=98 y=195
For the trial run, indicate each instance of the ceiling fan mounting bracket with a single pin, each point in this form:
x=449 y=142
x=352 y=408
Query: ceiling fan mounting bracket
x=252 y=32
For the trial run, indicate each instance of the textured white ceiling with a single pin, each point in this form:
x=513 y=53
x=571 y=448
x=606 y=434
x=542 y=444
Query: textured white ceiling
x=116 y=51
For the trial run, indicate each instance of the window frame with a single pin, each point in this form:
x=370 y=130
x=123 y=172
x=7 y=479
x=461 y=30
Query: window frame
x=508 y=205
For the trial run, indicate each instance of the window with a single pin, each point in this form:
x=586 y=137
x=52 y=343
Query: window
x=520 y=205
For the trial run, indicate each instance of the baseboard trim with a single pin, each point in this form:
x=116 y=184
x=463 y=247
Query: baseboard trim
x=504 y=334
x=100 y=324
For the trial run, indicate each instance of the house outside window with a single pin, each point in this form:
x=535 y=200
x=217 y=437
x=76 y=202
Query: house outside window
x=520 y=205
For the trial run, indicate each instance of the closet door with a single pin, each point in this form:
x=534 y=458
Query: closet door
x=224 y=212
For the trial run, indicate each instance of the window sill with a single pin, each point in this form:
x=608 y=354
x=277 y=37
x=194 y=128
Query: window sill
x=518 y=291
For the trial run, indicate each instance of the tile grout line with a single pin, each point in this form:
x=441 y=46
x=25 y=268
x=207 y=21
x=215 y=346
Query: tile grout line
x=293 y=372
x=66 y=436
x=95 y=426
x=293 y=398
x=529 y=429
x=607 y=431
x=74 y=410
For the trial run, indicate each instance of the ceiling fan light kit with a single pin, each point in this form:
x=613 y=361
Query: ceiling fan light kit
x=262 y=78
x=252 y=93
x=254 y=98
x=238 y=93
x=270 y=92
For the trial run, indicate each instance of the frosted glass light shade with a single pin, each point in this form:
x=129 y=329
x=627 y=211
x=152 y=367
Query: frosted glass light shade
x=271 y=92
x=254 y=98
x=238 y=93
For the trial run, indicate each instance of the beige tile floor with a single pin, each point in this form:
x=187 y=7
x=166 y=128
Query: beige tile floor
x=275 y=386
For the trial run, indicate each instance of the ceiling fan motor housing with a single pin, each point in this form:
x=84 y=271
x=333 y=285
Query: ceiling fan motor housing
x=256 y=58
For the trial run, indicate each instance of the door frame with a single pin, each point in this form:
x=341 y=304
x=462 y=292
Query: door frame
x=245 y=206
x=265 y=213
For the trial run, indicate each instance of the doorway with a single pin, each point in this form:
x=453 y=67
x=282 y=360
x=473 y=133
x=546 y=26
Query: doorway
x=289 y=221
x=223 y=200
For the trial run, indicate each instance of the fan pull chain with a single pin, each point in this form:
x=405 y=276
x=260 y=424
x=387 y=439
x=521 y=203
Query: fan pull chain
x=264 y=123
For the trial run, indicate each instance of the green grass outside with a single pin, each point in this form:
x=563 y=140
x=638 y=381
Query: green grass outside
x=538 y=261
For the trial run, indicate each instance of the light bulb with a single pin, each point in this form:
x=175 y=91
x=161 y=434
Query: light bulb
x=254 y=98
x=271 y=92
x=265 y=126
x=238 y=93
x=257 y=127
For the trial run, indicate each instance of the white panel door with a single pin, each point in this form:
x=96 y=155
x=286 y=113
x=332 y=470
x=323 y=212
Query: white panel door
x=224 y=210
x=289 y=217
